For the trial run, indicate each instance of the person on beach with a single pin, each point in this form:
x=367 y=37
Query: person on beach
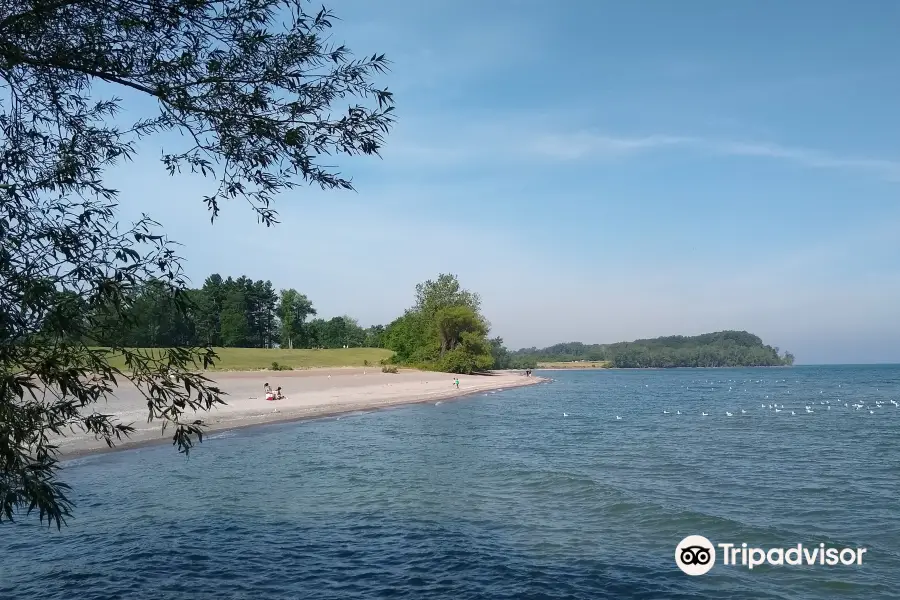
x=278 y=394
x=270 y=395
x=456 y=382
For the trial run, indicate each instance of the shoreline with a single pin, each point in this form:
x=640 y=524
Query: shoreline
x=328 y=392
x=660 y=368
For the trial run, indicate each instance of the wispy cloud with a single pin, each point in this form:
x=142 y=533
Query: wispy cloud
x=518 y=139
x=583 y=146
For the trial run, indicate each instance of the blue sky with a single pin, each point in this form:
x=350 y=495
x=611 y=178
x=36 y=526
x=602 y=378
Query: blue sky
x=602 y=171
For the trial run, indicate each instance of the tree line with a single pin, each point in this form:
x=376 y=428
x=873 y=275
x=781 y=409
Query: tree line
x=719 y=349
x=444 y=330
x=229 y=312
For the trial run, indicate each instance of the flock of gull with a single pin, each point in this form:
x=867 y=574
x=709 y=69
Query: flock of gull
x=809 y=407
x=777 y=408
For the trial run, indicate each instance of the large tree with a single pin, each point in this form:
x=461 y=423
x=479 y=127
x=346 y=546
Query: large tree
x=254 y=86
x=444 y=329
x=293 y=309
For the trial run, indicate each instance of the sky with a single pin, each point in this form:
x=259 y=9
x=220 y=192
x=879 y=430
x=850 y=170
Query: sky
x=600 y=171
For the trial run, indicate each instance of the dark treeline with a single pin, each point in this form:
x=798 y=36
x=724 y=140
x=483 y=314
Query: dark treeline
x=235 y=313
x=444 y=331
x=720 y=349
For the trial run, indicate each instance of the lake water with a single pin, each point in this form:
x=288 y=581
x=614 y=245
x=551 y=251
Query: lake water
x=499 y=496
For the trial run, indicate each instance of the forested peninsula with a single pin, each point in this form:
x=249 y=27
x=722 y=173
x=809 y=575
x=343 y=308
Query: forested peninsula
x=443 y=330
x=719 y=349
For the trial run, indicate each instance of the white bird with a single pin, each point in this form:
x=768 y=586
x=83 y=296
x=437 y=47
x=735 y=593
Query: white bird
x=743 y=412
x=728 y=414
x=704 y=414
x=792 y=412
x=665 y=412
x=618 y=418
x=678 y=412
x=871 y=412
x=565 y=414
x=778 y=410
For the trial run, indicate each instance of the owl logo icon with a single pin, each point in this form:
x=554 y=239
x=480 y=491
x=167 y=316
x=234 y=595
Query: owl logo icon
x=695 y=555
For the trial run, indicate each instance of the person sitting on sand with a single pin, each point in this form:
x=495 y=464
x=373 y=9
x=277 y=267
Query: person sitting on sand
x=278 y=394
x=270 y=395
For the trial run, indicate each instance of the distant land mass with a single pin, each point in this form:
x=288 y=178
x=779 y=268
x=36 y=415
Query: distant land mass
x=719 y=349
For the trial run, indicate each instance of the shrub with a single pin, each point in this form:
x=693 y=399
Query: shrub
x=389 y=369
x=365 y=363
x=277 y=367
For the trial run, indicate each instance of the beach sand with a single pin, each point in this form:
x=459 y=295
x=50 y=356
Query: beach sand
x=309 y=394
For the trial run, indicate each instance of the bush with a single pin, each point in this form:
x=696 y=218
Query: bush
x=388 y=369
x=460 y=361
x=365 y=363
x=277 y=367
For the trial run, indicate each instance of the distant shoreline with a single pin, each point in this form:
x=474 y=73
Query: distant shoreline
x=539 y=368
x=311 y=394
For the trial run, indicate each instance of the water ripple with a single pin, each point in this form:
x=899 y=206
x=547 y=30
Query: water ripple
x=498 y=496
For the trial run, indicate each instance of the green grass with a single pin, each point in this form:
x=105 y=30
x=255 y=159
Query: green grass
x=255 y=359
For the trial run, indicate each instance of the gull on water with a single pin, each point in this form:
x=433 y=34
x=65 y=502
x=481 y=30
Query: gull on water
x=728 y=414
x=704 y=414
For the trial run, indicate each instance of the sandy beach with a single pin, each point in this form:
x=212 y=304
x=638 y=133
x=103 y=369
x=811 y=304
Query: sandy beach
x=309 y=394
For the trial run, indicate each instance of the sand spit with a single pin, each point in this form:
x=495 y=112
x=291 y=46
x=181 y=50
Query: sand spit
x=309 y=394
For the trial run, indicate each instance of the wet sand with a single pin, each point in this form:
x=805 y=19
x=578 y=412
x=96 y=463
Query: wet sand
x=309 y=394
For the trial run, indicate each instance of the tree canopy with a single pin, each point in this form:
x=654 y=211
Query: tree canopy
x=443 y=330
x=719 y=349
x=257 y=94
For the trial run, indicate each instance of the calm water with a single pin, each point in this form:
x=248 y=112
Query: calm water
x=499 y=496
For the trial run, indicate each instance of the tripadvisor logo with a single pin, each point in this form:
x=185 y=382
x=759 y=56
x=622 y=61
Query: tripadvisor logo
x=696 y=555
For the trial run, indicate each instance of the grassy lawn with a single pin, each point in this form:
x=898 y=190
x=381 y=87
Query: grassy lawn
x=595 y=364
x=255 y=359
